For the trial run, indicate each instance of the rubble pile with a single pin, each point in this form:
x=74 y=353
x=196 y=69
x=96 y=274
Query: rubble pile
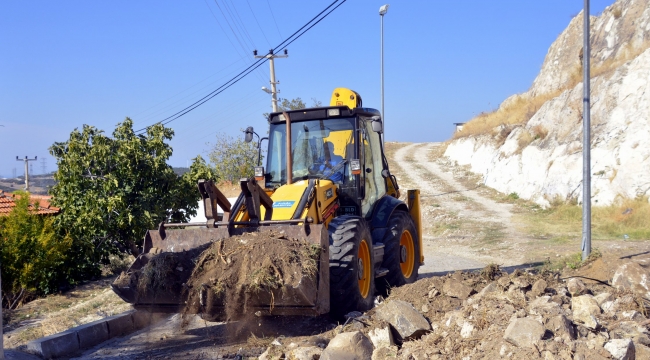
x=492 y=315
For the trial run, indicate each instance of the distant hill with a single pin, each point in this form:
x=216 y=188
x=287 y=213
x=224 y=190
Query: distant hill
x=40 y=184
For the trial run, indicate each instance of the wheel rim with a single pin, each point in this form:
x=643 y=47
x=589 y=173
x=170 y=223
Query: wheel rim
x=363 y=268
x=407 y=254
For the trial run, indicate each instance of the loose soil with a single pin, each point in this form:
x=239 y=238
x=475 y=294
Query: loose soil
x=233 y=274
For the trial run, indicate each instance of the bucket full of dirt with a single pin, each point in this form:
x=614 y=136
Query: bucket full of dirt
x=272 y=270
x=266 y=272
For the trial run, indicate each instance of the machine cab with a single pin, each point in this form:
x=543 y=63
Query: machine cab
x=332 y=143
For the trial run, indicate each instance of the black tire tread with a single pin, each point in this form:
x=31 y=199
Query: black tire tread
x=345 y=232
x=398 y=221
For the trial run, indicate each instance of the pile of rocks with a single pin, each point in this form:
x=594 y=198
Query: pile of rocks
x=474 y=316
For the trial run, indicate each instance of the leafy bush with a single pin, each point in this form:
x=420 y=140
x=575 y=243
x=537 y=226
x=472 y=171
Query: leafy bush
x=233 y=158
x=111 y=190
x=33 y=255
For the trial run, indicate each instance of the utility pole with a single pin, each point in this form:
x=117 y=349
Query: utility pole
x=274 y=91
x=26 y=160
x=586 y=139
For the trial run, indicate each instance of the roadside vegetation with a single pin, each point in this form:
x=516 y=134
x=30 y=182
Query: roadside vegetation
x=32 y=252
x=561 y=222
x=628 y=219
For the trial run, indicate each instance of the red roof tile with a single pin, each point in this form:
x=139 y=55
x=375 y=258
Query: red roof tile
x=7 y=203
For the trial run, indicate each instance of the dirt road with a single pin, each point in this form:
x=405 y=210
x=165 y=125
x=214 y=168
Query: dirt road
x=465 y=215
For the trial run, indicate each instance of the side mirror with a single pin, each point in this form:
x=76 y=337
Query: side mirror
x=248 y=134
x=377 y=125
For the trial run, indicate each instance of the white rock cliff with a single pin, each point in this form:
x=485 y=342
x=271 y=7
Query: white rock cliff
x=550 y=166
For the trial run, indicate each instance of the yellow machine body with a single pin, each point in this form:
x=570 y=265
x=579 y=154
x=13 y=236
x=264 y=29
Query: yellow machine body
x=304 y=208
x=343 y=96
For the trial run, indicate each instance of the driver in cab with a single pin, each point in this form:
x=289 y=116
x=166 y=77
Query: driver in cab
x=329 y=164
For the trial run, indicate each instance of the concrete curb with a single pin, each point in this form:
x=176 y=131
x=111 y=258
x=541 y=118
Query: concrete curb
x=73 y=340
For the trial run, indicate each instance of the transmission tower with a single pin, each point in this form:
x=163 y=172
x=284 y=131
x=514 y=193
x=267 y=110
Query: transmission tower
x=43 y=166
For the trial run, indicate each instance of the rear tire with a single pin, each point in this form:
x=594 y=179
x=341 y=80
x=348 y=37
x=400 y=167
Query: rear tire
x=352 y=272
x=401 y=252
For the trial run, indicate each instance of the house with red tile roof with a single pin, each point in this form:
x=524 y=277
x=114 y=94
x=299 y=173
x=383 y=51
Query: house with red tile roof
x=8 y=202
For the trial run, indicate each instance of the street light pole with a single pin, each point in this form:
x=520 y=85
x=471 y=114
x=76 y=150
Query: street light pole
x=586 y=139
x=382 y=11
x=274 y=92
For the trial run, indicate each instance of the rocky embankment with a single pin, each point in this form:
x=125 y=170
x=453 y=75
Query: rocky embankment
x=541 y=159
x=492 y=315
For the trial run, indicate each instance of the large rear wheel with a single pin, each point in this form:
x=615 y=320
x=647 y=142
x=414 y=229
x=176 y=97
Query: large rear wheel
x=401 y=252
x=352 y=283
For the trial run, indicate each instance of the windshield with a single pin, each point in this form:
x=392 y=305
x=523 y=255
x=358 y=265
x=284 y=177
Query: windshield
x=320 y=149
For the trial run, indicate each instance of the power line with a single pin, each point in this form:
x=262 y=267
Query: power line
x=258 y=23
x=188 y=88
x=233 y=32
x=250 y=68
x=237 y=17
x=273 y=16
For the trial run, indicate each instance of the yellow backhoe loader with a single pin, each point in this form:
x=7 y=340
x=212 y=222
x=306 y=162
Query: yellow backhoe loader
x=326 y=181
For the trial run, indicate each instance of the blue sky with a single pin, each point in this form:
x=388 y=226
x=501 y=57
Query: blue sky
x=69 y=63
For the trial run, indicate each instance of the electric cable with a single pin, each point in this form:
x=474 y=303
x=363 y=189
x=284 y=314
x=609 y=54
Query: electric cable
x=236 y=18
x=273 y=16
x=258 y=23
x=248 y=70
x=233 y=31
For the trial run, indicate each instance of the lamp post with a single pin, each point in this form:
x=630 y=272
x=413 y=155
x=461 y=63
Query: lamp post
x=382 y=11
x=586 y=138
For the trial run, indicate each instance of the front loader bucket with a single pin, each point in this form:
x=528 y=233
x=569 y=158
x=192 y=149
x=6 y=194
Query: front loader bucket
x=180 y=248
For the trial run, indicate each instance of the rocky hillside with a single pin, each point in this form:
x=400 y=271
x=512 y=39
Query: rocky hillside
x=536 y=151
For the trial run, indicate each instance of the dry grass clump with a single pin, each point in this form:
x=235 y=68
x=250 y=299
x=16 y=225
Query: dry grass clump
x=617 y=12
x=490 y=272
x=626 y=219
x=157 y=273
x=540 y=132
x=516 y=112
x=525 y=138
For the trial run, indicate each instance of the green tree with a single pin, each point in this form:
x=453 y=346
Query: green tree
x=293 y=104
x=111 y=190
x=33 y=254
x=233 y=158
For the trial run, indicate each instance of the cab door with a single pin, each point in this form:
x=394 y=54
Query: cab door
x=372 y=182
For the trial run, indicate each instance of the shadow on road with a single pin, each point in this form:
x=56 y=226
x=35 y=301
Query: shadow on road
x=508 y=269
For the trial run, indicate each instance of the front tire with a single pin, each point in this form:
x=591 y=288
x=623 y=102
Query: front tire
x=352 y=272
x=401 y=252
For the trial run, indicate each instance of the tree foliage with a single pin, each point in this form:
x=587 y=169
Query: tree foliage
x=293 y=104
x=233 y=158
x=111 y=190
x=33 y=254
